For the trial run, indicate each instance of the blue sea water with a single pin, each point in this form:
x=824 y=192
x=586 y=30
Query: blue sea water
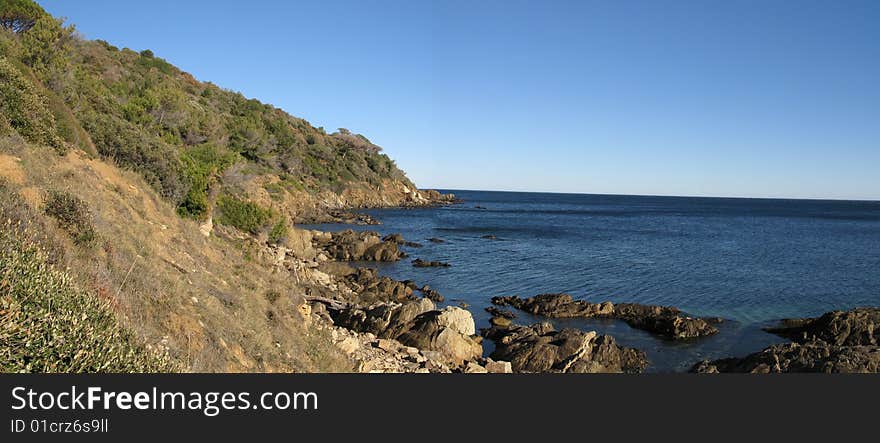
x=750 y=261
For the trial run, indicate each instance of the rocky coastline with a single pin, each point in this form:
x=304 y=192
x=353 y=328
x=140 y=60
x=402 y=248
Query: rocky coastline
x=385 y=325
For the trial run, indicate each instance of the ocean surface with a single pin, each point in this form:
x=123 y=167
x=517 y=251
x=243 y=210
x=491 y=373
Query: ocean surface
x=750 y=261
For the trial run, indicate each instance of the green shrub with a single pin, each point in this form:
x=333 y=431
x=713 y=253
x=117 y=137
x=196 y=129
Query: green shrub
x=46 y=46
x=24 y=108
x=73 y=216
x=278 y=233
x=48 y=325
x=201 y=165
x=129 y=147
x=244 y=215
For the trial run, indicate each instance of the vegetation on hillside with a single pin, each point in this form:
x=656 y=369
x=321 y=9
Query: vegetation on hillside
x=47 y=324
x=139 y=111
x=113 y=158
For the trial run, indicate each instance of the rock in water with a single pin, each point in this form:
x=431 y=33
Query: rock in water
x=419 y=263
x=818 y=356
x=662 y=320
x=836 y=342
x=860 y=326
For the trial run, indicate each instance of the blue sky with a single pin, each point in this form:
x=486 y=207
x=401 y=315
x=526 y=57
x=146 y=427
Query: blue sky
x=756 y=98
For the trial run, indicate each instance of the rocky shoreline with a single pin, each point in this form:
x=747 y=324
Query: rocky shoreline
x=384 y=325
x=411 y=199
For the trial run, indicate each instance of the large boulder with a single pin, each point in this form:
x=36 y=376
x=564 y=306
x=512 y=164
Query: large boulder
x=445 y=332
x=457 y=319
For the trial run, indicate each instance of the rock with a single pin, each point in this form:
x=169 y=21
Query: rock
x=432 y=294
x=860 y=326
x=350 y=245
x=388 y=345
x=474 y=368
x=370 y=288
x=501 y=322
x=385 y=320
x=206 y=227
x=498 y=312
x=836 y=342
x=394 y=238
x=442 y=331
x=817 y=356
x=499 y=367
x=457 y=319
x=662 y=320
x=538 y=348
x=419 y=263
x=490 y=237
x=344 y=217
x=348 y=345
x=412 y=244
x=436 y=240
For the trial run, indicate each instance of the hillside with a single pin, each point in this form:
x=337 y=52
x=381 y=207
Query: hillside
x=145 y=212
x=192 y=141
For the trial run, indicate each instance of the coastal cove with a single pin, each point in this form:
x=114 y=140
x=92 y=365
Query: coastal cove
x=748 y=261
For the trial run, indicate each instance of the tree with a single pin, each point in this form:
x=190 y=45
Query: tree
x=19 y=15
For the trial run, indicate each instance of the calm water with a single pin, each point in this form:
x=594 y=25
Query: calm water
x=750 y=261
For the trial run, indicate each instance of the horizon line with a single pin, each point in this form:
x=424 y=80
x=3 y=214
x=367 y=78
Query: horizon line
x=860 y=200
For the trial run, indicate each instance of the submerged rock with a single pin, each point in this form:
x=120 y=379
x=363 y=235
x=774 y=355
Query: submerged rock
x=419 y=263
x=540 y=348
x=436 y=240
x=662 y=320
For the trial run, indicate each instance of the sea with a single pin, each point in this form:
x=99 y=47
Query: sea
x=751 y=262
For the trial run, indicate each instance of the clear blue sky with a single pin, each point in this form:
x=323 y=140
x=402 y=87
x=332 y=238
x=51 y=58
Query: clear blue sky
x=727 y=98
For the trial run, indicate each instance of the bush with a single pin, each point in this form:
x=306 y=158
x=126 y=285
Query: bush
x=129 y=147
x=49 y=325
x=73 y=216
x=201 y=166
x=244 y=215
x=24 y=108
x=278 y=233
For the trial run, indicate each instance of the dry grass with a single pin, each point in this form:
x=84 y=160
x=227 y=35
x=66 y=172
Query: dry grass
x=202 y=298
